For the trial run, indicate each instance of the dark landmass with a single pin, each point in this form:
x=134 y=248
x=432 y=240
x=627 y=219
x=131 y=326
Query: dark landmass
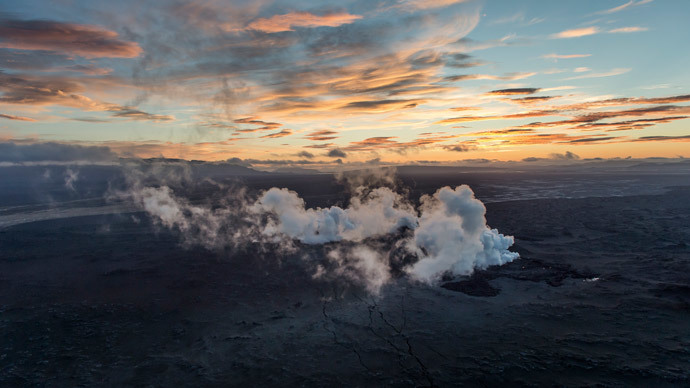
x=525 y=269
x=295 y=170
x=599 y=297
x=474 y=286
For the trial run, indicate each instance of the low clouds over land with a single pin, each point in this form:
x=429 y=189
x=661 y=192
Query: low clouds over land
x=53 y=152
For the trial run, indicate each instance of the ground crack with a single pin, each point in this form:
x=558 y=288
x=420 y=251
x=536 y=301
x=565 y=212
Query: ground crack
x=373 y=306
x=350 y=346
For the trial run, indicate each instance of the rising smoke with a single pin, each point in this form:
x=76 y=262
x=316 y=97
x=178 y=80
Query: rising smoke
x=71 y=177
x=446 y=233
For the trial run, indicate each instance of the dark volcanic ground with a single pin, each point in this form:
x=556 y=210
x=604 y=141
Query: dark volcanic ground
x=601 y=296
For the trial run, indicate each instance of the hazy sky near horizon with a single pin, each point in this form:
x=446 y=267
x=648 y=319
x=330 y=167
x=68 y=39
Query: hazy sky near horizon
x=349 y=80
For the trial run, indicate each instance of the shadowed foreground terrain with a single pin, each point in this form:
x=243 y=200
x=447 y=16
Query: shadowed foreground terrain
x=600 y=295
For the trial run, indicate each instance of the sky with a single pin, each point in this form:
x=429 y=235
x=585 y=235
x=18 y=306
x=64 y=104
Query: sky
x=351 y=81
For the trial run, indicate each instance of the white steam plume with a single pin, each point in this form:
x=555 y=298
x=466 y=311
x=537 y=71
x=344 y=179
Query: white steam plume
x=71 y=177
x=360 y=265
x=378 y=213
x=227 y=224
x=448 y=231
x=453 y=236
x=359 y=180
x=198 y=224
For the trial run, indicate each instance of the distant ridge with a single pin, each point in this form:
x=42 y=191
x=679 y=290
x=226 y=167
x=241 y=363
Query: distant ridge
x=296 y=170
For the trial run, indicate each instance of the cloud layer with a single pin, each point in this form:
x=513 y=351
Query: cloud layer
x=266 y=80
x=86 y=41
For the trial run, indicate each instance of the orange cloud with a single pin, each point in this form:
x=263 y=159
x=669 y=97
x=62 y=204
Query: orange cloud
x=621 y=7
x=511 y=92
x=13 y=117
x=461 y=147
x=529 y=100
x=58 y=91
x=548 y=138
x=584 y=120
x=372 y=86
x=136 y=114
x=282 y=23
x=465 y=119
x=625 y=30
x=626 y=101
x=507 y=77
x=565 y=56
x=321 y=136
x=383 y=105
x=283 y=133
x=263 y=125
x=86 y=41
x=430 y=4
x=465 y=108
x=388 y=142
x=682 y=138
x=629 y=124
x=611 y=73
x=320 y=146
x=576 y=33
x=502 y=132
